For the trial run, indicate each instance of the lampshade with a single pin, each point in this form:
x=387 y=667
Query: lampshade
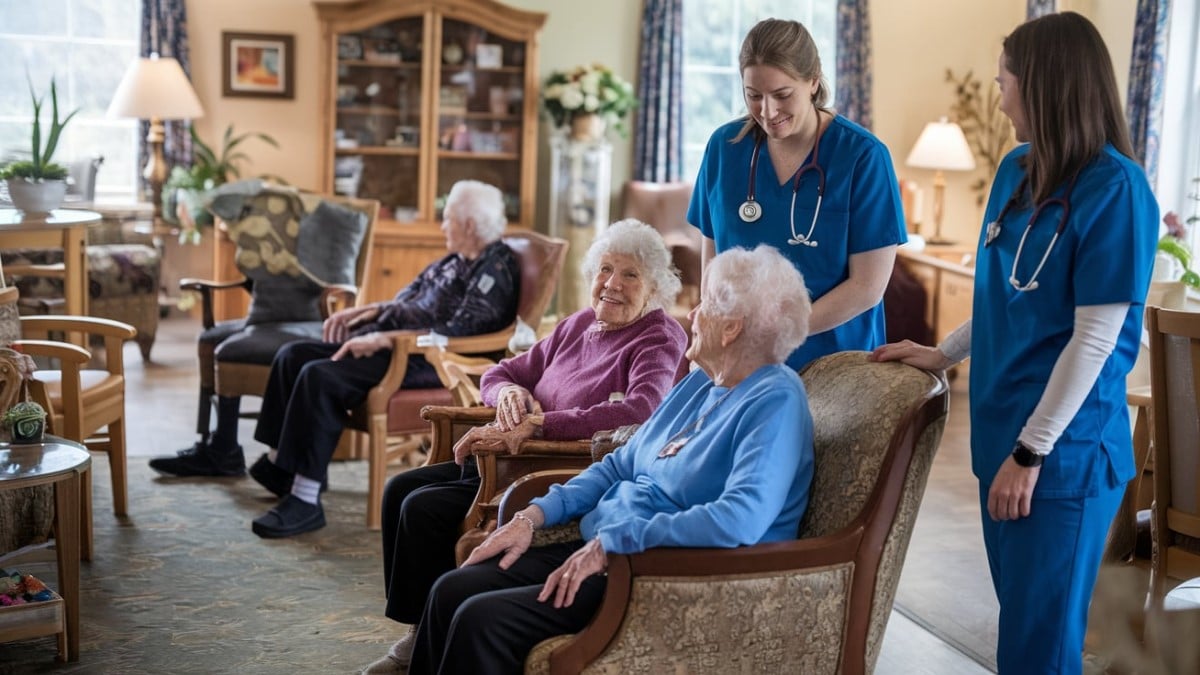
x=942 y=146
x=155 y=87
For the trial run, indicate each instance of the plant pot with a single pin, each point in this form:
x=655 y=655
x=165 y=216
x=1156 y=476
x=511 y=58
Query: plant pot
x=587 y=128
x=26 y=422
x=36 y=196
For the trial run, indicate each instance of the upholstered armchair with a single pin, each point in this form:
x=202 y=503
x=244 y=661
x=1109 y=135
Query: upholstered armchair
x=664 y=206
x=302 y=257
x=392 y=417
x=818 y=604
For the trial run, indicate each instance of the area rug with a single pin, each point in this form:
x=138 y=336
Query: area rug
x=183 y=586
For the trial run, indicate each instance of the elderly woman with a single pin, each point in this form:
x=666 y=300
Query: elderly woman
x=726 y=461
x=605 y=366
x=312 y=384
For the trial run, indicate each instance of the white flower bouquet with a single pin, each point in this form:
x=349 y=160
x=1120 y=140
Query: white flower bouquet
x=593 y=89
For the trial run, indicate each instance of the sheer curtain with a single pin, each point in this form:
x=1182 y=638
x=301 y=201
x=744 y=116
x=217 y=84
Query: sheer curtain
x=853 y=86
x=658 y=132
x=1036 y=8
x=164 y=32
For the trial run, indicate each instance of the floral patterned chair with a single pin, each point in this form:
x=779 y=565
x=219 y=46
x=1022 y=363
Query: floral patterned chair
x=818 y=604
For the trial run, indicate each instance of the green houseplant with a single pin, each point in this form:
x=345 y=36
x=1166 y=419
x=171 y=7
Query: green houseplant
x=209 y=169
x=1174 y=244
x=38 y=185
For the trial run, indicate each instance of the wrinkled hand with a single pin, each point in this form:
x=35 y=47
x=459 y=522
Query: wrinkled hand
x=564 y=582
x=907 y=351
x=489 y=438
x=1011 y=494
x=513 y=539
x=338 y=326
x=512 y=405
x=362 y=346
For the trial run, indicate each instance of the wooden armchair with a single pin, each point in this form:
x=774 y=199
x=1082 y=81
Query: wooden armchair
x=818 y=604
x=235 y=356
x=1175 y=387
x=83 y=404
x=391 y=416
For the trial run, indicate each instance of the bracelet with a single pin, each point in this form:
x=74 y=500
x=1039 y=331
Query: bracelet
x=522 y=517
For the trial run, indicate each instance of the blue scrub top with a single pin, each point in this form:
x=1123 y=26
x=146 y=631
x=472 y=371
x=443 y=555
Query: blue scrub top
x=1103 y=256
x=860 y=212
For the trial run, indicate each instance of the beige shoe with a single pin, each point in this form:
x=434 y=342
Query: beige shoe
x=385 y=665
x=397 y=658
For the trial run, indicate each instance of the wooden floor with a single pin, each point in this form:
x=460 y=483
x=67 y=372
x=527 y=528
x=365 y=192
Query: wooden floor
x=944 y=556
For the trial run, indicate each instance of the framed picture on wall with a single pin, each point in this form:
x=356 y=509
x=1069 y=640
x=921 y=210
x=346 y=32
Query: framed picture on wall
x=259 y=65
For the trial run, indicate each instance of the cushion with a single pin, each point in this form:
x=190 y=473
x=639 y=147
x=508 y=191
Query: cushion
x=257 y=344
x=270 y=226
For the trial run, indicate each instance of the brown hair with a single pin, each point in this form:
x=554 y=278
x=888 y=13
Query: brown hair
x=788 y=46
x=1072 y=107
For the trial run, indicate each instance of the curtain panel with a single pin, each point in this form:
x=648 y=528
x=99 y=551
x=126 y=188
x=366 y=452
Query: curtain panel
x=164 y=31
x=1147 y=68
x=853 y=85
x=658 y=131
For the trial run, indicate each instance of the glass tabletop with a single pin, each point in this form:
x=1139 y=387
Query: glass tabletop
x=35 y=460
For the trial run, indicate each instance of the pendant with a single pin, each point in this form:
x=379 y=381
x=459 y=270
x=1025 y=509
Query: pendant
x=993 y=231
x=750 y=211
x=671 y=449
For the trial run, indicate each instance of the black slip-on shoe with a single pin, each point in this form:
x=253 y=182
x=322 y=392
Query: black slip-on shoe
x=290 y=517
x=277 y=480
x=202 y=460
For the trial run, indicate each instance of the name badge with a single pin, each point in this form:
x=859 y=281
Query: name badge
x=485 y=283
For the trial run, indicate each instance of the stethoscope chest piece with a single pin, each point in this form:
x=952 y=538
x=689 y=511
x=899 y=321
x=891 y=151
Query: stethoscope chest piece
x=750 y=211
x=993 y=231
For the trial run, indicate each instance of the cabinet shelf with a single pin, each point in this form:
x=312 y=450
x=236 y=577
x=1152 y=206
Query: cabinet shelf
x=367 y=63
x=465 y=67
x=368 y=110
x=399 y=151
x=467 y=154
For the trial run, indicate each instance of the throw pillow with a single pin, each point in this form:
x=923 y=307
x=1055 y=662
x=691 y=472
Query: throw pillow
x=331 y=236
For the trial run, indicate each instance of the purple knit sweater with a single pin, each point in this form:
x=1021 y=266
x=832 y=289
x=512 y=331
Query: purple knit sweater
x=574 y=370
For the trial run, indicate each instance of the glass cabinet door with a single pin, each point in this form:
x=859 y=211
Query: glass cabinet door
x=480 y=103
x=377 y=135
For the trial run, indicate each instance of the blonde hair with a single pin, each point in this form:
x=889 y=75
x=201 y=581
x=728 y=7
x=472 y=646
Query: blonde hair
x=788 y=46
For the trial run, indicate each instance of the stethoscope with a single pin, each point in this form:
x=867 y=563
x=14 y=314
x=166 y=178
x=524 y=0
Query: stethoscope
x=750 y=209
x=994 y=227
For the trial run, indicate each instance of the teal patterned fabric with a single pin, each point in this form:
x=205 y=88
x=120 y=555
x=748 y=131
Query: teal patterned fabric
x=852 y=90
x=658 y=139
x=1147 y=68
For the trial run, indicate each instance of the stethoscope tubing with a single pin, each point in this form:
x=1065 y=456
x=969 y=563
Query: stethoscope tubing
x=750 y=212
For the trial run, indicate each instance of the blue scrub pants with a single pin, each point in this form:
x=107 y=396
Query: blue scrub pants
x=1044 y=568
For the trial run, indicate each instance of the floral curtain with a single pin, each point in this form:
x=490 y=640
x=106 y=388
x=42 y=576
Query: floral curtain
x=658 y=135
x=1144 y=101
x=853 y=84
x=164 y=32
x=1036 y=8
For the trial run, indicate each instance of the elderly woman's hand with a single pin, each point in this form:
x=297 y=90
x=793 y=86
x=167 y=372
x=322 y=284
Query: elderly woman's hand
x=564 y=582
x=338 y=326
x=490 y=438
x=362 y=346
x=513 y=539
x=513 y=403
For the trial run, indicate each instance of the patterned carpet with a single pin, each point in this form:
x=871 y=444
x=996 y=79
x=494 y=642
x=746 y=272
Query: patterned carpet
x=183 y=586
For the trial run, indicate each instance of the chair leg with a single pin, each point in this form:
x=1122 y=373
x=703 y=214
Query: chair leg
x=117 y=465
x=85 y=513
x=376 y=471
x=204 y=411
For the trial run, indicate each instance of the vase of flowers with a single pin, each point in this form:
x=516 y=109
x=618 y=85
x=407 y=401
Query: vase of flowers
x=1174 y=260
x=587 y=100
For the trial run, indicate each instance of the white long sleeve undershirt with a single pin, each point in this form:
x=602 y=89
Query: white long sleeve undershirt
x=1097 y=328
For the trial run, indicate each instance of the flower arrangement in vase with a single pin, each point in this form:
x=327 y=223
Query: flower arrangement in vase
x=587 y=98
x=1174 y=248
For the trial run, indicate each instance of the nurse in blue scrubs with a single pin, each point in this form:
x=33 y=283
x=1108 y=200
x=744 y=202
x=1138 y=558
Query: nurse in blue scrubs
x=1064 y=263
x=816 y=186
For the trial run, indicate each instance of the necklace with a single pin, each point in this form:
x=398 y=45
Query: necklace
x=676 y=442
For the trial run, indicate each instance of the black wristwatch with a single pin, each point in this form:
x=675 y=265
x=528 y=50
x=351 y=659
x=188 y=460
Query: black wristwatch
x=1025 y=457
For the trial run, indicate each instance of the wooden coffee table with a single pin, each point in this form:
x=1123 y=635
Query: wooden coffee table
x=61 y=463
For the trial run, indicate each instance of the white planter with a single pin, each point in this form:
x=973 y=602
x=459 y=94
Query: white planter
x=36 y=196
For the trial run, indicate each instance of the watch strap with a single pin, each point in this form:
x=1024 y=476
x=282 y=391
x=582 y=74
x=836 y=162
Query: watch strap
x=1025 y=457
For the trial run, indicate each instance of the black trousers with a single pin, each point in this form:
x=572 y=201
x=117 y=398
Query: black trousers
x=422 y=511
x=305 y=406
x=482 y=619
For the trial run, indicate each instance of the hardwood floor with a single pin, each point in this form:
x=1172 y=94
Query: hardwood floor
x=940 y=586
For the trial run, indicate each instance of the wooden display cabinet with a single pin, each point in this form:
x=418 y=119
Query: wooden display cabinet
x=419 y=94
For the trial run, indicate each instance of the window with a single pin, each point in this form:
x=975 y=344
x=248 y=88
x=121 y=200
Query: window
x=1179 y=153
x=85 y=47
x=712 y=35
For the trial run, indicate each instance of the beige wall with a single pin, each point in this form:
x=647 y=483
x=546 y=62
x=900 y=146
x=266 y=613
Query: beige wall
x=913 y=44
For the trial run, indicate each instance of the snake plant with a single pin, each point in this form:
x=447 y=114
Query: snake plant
x=40 y=167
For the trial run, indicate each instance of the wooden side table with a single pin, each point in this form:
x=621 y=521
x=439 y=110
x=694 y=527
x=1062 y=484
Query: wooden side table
x=61 y=463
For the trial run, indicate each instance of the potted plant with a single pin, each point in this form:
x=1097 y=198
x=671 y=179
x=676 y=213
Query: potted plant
x=190 y=186
x=38 y=185
x=588 y=98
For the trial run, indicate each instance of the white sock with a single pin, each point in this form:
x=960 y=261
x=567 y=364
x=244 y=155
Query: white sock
x=306 y=489
x=272 y=454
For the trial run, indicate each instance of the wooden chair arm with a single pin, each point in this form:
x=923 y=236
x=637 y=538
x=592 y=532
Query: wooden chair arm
x=205 y=288
x=52 y=270
x=526 y=488
x=336 y=297
x=481 y=344
x=63 y=351
x=477 y=415
x=41 y=325
x=404 y=343
x=537 y=446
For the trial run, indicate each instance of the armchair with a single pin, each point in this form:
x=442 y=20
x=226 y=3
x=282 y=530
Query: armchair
x=1175 y=387
x=81 y=402
x=664 y=206
x=815 y=605
x=302 y=257
x=391 y=416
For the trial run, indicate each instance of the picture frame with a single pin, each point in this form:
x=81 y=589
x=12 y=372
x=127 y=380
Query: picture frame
x=258 y=65
x=489 y=55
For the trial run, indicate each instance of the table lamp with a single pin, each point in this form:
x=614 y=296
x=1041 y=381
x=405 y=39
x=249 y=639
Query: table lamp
x=154 y=88
x=941 y=147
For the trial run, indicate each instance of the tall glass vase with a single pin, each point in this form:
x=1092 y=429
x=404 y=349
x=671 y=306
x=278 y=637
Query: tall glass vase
x=580 y=188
